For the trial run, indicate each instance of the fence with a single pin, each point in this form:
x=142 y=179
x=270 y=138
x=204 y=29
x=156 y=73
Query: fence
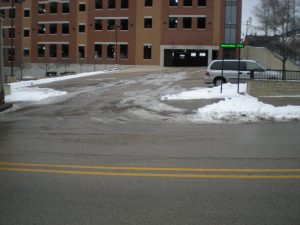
x=276 y=75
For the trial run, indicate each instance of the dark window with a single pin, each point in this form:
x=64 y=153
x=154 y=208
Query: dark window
x=124 y=51
x=98 y=50
x=173 y=22
x=41 y=28
x=26 y=33
x=201 y=23
x=187 y=22
x=81 y=52
x=124 y=24
x=81 y=28
x=41 y=8
x=147 y=52
x=53 y=50
x=110 y=51
x=147 y=22
x=98 y=4
x=11 y=33
x=81 y=7
x=41 y=50
x=65 y=28
x=53 y=7
x=124 y=4
x=111 y=24
x=98 y=24
x=65 y=7
x=111 y=4
x=26 y=12
x=53 y=28
x=148 y=3
x=2 y=13
x=25 y=52
x=187 y=3
x=64 y=51
x=173 y=3
x=11 y=54
x=201 y=2
x=12 y=13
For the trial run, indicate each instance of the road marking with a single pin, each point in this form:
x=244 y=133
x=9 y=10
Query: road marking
x=296 y=170
x=199 y=176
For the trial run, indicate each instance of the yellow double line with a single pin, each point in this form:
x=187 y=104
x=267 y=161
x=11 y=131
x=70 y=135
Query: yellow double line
x=198 y=173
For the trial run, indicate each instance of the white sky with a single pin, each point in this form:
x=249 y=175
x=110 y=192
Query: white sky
x=247 y=11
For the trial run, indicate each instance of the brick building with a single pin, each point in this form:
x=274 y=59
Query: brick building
x=142 y=32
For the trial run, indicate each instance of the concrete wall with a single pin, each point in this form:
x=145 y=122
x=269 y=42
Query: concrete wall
x=264 y=57
x=262 y=88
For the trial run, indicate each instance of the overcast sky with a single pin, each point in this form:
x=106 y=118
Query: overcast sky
x=248 y=6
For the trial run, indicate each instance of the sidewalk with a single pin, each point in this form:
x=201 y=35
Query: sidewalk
x=281 y=101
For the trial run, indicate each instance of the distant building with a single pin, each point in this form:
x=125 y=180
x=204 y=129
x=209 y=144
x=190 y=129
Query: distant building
x=142 y=32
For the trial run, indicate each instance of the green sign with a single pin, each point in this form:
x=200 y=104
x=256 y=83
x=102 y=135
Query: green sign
x=232 y=45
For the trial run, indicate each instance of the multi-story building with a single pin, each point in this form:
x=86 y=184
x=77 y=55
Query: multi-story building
x=143 y=32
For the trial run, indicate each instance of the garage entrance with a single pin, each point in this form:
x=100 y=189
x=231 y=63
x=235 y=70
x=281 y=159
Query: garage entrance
x=185 y=57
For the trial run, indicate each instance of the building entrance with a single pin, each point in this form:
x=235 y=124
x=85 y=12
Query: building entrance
x=185 y=57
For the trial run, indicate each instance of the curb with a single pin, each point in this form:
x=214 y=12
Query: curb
x=5 y=106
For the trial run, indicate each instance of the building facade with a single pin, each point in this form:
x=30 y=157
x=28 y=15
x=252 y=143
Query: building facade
x=141 y=32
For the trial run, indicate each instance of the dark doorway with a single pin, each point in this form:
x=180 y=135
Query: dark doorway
x=185 y=57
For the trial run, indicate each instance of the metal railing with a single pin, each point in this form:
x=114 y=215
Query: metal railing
x=277 y=74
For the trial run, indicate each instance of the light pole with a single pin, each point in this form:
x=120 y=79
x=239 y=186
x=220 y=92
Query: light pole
x=2 y=95
x=116 y=47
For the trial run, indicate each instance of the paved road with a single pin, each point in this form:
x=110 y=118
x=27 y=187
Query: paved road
x=111 y=153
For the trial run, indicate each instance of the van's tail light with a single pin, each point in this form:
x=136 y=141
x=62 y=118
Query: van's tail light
x=207 y=74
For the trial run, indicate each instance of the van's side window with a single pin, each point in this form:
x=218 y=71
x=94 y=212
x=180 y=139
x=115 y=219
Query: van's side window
x=253 y=66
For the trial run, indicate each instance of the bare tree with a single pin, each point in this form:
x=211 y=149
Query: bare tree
x=281 y=18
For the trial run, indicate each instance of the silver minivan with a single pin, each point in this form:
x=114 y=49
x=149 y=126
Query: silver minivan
x=213 y=74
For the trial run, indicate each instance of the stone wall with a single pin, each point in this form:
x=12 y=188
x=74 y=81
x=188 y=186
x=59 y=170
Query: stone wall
x=259 y=88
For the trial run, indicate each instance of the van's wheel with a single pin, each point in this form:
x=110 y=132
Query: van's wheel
x=218 y=80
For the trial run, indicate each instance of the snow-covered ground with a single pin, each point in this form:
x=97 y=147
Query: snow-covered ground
x=232 y=107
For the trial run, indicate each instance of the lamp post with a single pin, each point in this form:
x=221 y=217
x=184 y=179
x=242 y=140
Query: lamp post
x=116 y=47
x=2 y=95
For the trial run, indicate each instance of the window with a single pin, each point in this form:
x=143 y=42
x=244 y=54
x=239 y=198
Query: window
x=12 y=13
x=111 y=4
x=41 y=28
x=64 y=51
x=98 y=24
x=2 y=13
x=26 y=12
x=201 y=23
x=53 y=28
x=147 y=51
x=26 y=52
x=147 y=22
x=81 y=28
x=53 y=50
x=187 y=2
x=65 y=28
x=81 y=7
x=187 y=22
x=148 y=3
x=53 y=7
x=11 y=55
x=201 y=3
x=98 y=50
x=98 y=4
x=11 y=33
x=124 y=51
x=124 y=4
x=41 y=8
x=124 y=24
x=81 y=52
x=110 y=51
x=65 y=7
x=26 y=32
x=173 y=3
x=173 y=22
x=41 y=50
x=111 y=24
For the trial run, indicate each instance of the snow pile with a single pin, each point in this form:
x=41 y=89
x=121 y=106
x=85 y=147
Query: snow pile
x=235 y=107
x=25 y=91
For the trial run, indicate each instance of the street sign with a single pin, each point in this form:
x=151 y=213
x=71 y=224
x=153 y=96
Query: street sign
x=239 y=45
